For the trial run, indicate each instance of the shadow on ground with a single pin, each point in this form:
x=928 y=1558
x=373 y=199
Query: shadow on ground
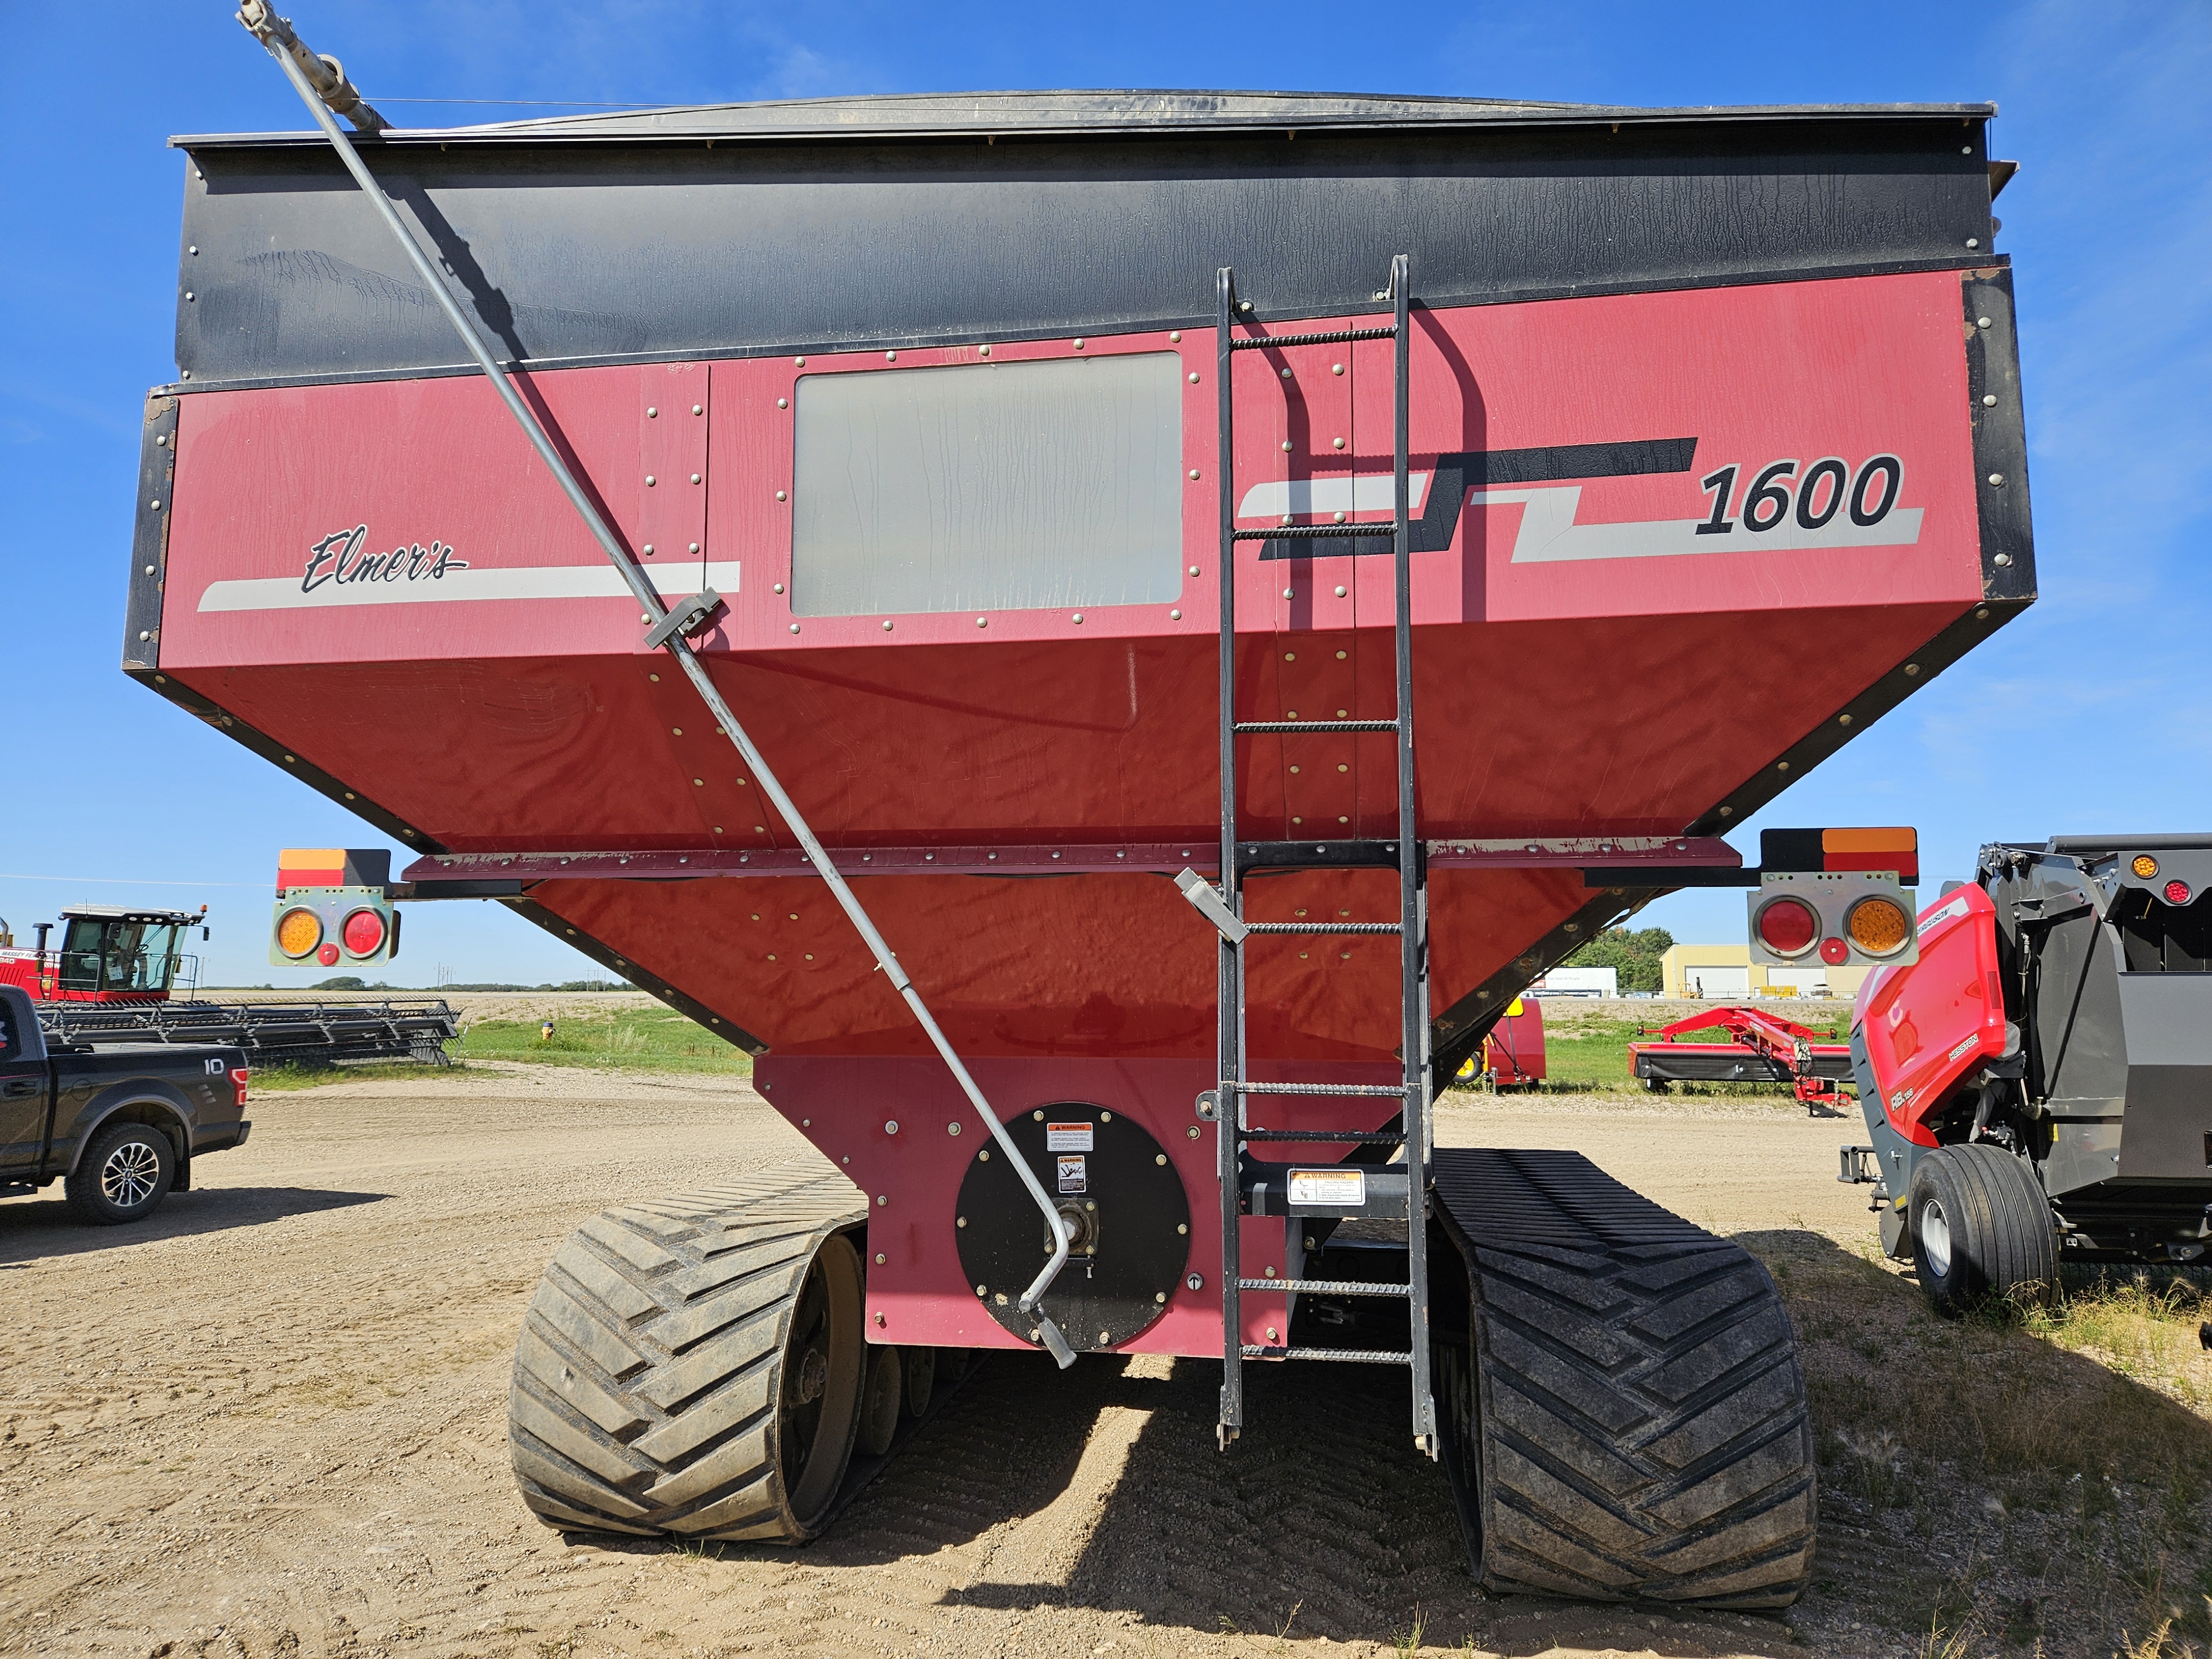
x=1975 y=1476
x=1976 y=1472
x=42 y=1228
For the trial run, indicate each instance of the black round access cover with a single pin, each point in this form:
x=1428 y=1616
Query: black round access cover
x=1126 y=1209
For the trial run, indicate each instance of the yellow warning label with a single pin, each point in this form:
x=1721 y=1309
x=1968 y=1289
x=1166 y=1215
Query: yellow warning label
x=1340 y=1188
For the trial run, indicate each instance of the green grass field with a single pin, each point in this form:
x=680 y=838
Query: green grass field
x=633 y=1039
x=1582 y=1054
x=641 y=1039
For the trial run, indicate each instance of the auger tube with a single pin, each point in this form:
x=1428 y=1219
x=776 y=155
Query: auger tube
x=649 y=601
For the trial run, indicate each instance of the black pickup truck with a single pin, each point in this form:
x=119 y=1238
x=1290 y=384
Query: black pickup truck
x=118 y=1126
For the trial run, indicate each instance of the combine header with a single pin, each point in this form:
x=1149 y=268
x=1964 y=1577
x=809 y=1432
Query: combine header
x=1086 y=631
x=1760 y=1047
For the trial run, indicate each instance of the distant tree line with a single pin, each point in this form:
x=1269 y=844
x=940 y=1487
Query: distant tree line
x=1631 y=953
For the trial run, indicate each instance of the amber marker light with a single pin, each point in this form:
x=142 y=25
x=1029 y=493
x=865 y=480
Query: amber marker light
x=2145 y=866
x=1879 y=926
x=299 y=930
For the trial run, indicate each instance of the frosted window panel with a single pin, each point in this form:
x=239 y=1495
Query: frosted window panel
x=989 y=487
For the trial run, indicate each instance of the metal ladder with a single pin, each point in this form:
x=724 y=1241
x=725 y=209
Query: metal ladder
x=1249 y=1187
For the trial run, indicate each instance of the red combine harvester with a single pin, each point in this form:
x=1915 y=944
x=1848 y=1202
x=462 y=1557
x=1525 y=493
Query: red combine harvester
x=1762 y=1046
x=111 y=955
x=115 y=979
x=2035 y=1087
x=942 y=592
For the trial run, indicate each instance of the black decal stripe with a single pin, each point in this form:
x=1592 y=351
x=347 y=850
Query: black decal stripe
x=1487 y=469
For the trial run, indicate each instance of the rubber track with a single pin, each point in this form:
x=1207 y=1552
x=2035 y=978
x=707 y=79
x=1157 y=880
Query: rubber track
x=648 y=1362
x=1641 y=1430
x=2011 y=1246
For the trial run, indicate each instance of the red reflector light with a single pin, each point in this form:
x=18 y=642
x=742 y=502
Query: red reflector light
x=1835 y=952
x=328 y=954
x=363 y=932
x=2177 y=893
x=1788 y=926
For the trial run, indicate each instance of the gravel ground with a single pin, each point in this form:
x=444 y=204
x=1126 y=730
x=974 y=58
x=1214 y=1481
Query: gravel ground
x=272 y=1421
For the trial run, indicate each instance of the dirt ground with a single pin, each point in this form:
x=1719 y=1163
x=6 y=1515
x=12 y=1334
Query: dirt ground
x=272 y=1421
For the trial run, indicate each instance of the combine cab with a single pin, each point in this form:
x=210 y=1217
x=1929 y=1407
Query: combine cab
x=111 y=955
x=2036 y=1088
x=944 y=592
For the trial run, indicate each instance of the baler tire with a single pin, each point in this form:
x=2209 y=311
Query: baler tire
x=693 y=1367
x=1630 y=1414
x=1981 y=1229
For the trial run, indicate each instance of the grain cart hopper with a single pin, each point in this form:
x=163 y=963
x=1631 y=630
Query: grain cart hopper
x=943 y=591
x=2038 y=1087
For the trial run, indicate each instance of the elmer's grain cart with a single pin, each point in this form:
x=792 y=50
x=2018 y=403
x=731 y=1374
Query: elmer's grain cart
x=943 y=591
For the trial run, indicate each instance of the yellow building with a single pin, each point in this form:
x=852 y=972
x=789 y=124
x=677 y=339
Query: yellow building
x=1725 y=973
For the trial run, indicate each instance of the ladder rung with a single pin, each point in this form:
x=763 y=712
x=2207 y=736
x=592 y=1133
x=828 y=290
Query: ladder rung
x=1333 y=336
x=1315 y=726
x=1394 y=1089
x=1325 y=1286
x=1369 y=853
x=1350 y=1356
x=1301 y=532
x=1322 y=927
x=1360 y=1137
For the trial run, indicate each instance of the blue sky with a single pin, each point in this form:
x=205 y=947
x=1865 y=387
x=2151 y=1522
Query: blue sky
x=2091 y=713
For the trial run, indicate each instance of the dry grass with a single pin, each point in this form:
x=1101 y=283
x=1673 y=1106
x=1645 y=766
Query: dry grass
x=2021 y=1459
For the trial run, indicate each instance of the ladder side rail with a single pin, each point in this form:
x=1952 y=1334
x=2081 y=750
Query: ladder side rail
x=1413 y=942
x=1229 y=1056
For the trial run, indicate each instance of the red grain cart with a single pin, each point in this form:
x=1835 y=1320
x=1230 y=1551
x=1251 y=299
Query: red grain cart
x=949 y=603
x=1512 y=1055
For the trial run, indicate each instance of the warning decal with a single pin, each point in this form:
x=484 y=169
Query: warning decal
x=1341 y=1187
x=1073 y=1179
x=1067 y=1137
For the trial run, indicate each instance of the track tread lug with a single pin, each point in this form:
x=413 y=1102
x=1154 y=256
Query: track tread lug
x=1644 y=1435
x=644 y=1398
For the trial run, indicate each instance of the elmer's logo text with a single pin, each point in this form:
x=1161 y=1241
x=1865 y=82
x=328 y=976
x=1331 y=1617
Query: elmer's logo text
x=338 y=558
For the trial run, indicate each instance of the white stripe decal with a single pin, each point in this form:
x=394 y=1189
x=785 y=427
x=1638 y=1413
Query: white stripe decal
x=1367 y=492
x=1549 y=534
x=558 y=582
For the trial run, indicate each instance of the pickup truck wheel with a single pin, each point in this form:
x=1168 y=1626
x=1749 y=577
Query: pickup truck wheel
x=123 y=1175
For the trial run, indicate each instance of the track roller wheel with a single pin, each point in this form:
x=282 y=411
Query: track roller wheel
x=694 y=1366
x=921 y=1379
x=1625 y=1415
x=879 y=1401
x=1981 y=1229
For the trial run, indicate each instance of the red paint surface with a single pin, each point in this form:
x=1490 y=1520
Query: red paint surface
x=1930 y=1025
x=1549 y=697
